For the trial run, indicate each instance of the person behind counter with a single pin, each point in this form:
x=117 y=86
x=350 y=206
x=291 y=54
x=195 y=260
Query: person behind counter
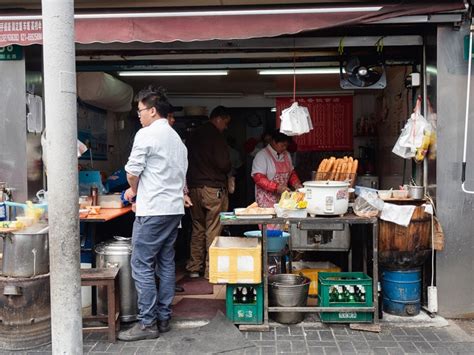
x=209 y=166
x=156 y=172
x=272 y=171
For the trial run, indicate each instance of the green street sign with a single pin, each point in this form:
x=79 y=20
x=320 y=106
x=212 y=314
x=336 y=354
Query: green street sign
x=11 y=53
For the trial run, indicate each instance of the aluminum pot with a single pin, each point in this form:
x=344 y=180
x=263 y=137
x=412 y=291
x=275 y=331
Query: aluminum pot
x=25 y=254
x=330 y=198
x=117 y=253
x=288 y=290
x=416 y=192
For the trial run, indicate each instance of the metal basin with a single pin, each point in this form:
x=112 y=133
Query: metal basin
x=288 y=290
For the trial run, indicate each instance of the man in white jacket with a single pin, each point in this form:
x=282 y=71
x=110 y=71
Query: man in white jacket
x=156 y=172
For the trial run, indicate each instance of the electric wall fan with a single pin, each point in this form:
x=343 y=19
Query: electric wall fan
x=362 y=73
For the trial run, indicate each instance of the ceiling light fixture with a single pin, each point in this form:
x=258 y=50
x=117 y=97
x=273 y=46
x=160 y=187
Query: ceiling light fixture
x=299 y=71
x=175 y=73
x=247 y=12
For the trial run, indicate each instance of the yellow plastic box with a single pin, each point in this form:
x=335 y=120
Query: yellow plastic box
x=311 y=269
x=235 y=260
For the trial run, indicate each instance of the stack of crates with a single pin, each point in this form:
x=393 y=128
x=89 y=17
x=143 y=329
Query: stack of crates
x=345 y=289
x=244 y=303
x=237 y=262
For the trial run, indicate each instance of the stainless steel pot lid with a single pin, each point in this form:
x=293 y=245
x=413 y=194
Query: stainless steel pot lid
x=117 y=246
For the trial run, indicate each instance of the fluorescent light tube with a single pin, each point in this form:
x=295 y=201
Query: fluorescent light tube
x=174 y=73
x=299 y=71
x=247 y=12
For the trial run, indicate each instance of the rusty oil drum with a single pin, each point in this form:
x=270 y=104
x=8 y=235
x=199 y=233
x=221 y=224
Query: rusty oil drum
x=25 y=312
x=402 y=248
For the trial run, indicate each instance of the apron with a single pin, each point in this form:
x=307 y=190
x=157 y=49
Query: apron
x=283 y=169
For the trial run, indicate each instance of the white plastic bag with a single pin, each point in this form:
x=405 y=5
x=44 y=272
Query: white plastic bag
x=412 y=134
x=295 y=120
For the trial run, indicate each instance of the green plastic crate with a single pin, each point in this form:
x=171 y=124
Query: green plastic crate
x=328 y=279
x=244 y=313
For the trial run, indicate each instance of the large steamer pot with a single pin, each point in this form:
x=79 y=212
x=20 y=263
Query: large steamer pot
x=25 y=254
x=117 y=253
x=25 y=312
x=327 y=198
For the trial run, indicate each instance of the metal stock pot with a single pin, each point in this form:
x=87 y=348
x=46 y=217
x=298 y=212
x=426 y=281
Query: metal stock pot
x=25 y=254
x=117 y=253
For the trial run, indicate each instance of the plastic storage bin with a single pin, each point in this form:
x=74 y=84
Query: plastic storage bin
x=235 y=260
x=328 y=280
x=248 y=312
x=311 y=270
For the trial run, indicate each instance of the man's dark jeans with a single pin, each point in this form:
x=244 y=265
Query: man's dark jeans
x=153 y=245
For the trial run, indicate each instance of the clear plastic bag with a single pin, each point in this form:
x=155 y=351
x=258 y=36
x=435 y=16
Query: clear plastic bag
x=368 y=204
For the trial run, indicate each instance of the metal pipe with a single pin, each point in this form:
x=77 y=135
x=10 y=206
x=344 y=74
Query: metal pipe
x=61 y=148
x=466 y=118
x=425 y=114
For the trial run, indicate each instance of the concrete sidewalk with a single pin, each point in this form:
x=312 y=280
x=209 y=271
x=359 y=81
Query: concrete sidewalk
x=318 y=338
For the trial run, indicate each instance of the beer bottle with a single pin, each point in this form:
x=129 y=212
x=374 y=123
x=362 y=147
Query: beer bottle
x=244 y=295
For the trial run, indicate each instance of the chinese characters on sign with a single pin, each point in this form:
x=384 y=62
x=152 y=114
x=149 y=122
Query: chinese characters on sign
x=24 y=32
x=11 y=53
x=332 y=122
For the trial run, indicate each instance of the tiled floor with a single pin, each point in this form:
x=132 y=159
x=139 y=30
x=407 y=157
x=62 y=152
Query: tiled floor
x=318 y=339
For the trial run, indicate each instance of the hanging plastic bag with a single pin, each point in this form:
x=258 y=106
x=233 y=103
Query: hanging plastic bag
x=411 y=137
x=295 y=120
x=81 y=149
x=368 y=204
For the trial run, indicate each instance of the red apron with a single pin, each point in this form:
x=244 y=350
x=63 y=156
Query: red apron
x=283 y=169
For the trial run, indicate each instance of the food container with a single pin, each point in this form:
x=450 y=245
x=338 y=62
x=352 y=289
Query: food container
x=416 y=192
x=288 y=213
x=384 y=194
x=330 y=198
x=400 y=193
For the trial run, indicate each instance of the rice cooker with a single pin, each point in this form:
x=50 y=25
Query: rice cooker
x=328 y=198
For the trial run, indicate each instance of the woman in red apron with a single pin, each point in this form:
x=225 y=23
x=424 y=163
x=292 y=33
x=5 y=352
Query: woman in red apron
x=273 y=172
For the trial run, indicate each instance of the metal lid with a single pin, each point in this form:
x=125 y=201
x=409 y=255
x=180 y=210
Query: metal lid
x=117 y=246
x=326 y=183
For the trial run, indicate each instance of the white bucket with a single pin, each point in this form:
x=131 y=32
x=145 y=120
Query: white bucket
x=86 y=291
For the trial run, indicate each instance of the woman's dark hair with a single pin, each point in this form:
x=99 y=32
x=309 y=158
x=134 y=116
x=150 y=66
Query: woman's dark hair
x=220 y=111
x=279 y=137
x=155 y=97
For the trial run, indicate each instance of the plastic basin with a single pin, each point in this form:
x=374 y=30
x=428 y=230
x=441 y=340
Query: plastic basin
x=276 y=240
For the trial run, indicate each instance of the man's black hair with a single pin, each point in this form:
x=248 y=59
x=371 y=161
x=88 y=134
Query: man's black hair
x=220 y=111
x=155 y=97
x=279 y=137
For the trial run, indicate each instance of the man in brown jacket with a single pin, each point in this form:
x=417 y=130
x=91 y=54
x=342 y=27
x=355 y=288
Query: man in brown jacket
x=209 y=166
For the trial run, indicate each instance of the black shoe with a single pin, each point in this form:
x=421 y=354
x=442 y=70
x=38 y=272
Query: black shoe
x=164 y=326
x=178 y=288
x=139 y=332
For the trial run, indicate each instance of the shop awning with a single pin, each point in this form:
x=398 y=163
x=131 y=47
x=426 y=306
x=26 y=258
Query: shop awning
x=25 y=30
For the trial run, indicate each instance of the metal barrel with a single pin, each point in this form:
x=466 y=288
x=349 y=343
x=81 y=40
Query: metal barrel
x=401 y=291
x=25 y=312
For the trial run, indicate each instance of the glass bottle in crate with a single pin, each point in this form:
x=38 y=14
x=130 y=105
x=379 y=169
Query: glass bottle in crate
x=245 y=297
x=340 y=294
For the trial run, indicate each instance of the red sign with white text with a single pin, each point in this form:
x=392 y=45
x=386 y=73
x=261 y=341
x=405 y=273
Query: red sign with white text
x=22 y=32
